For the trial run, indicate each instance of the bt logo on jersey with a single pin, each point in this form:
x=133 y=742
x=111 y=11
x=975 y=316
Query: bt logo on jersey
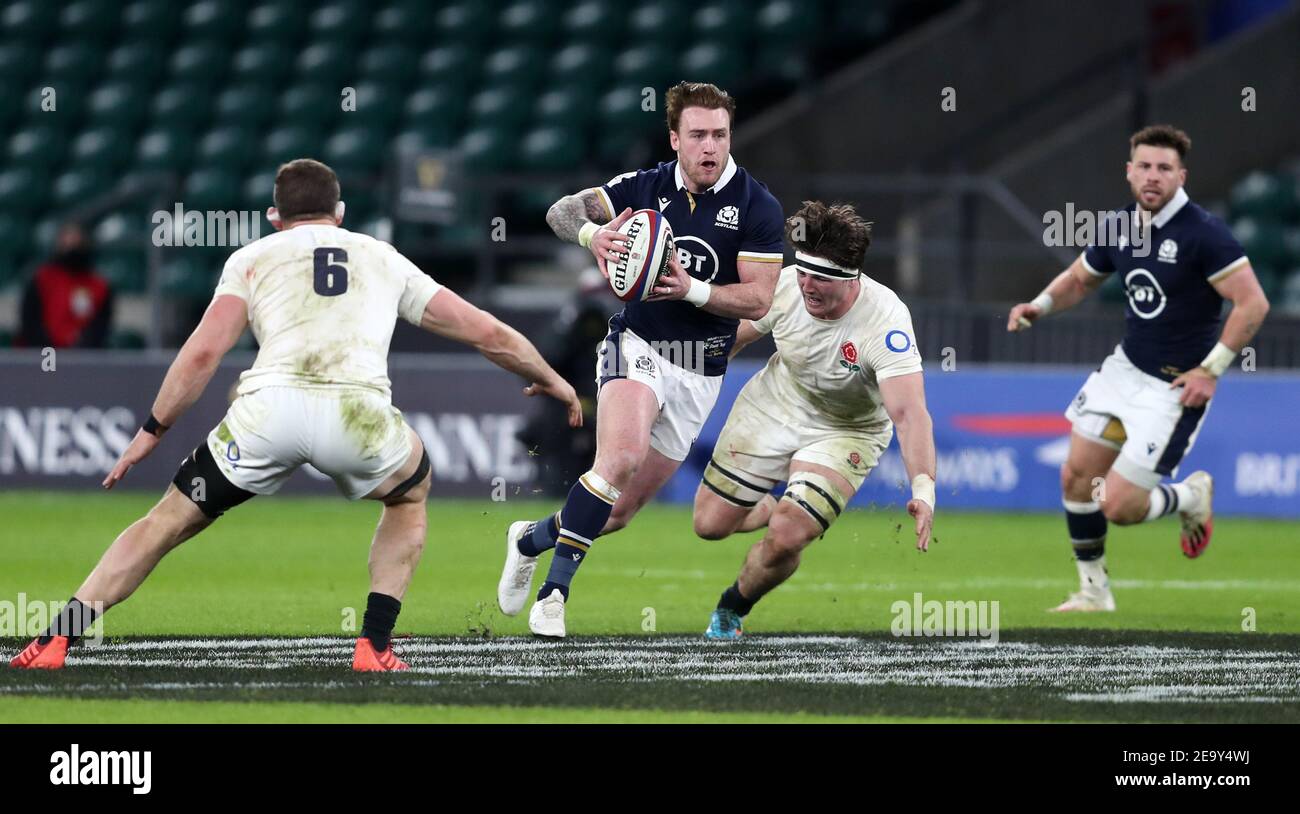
x=1145 y=296
x=702 y=266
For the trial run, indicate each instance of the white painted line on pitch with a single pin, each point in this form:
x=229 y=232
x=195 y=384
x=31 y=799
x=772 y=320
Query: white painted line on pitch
x=1081 y=673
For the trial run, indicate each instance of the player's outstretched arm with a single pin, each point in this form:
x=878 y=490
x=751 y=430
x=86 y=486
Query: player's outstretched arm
x=222 y=325
x=187 y=377
x=904 y=398
x=449 y=315
x=583 y=219
x=1067 y=290
x=1249 y=307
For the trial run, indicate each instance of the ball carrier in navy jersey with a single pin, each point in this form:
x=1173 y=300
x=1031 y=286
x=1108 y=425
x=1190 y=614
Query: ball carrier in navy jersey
x=1139 y=414
x=660 y=368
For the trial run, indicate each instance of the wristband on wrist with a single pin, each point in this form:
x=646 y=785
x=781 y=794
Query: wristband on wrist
x=154 y=427
x=586 y=233
x=698 y=294
x=923 y=489
x=1219 y=359
x=1044 y=303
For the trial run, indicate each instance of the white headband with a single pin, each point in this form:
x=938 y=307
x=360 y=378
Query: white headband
x=820 y=266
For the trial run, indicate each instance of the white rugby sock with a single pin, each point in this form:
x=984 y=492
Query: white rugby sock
x=1092 y=574
x=1168 y=498
x=1188 y=498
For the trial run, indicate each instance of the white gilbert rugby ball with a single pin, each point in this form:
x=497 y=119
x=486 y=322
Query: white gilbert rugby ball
x=633 y=277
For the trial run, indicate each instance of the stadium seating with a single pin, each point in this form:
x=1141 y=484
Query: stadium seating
x=75 y=186
x=209 y=95
x=1264 y=211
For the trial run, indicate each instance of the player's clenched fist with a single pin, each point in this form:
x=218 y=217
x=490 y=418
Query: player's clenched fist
x=1023 y=316
x=607 y=244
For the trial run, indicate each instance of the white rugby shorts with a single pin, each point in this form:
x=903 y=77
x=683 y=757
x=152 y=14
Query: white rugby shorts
x=1139 y=415
x=355 y=436
x=685 y=398
x=755 y=450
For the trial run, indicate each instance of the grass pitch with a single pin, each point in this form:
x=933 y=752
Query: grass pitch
x=253 y=621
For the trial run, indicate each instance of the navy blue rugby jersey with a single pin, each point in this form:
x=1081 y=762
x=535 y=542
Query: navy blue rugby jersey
x=735 y=219
x=1173 y=314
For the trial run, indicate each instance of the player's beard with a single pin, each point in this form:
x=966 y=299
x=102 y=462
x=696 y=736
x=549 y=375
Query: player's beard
x=1158 y=204
x=702 y=178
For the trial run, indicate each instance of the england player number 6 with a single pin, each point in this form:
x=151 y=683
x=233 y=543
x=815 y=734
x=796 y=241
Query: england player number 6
x=331 y=279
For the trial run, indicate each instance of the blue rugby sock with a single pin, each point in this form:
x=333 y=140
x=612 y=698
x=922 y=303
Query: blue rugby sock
x=1087 y=527
x=563 y=566
x=541 y=537
x=584 y=514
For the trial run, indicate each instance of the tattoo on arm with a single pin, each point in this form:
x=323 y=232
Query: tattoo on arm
x=596 y=212
x=568 y=215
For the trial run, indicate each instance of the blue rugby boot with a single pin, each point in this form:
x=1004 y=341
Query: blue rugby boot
x=724 y=625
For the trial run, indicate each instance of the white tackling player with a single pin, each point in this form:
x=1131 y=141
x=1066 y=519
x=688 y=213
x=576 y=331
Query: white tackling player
x=322 y=302
x=846 y=372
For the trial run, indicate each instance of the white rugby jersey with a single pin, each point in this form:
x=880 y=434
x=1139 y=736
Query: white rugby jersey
x=827 y=372
x=322 y=303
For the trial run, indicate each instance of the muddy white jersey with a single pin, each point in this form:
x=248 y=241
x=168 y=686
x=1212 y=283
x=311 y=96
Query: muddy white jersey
x=322 y=302
x=826 y=373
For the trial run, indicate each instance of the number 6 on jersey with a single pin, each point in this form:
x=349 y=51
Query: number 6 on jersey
x=331 y=279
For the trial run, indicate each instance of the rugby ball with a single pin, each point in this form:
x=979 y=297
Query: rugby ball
x=634 y=275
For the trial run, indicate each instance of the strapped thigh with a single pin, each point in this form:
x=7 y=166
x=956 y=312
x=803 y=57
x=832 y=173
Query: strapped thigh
x=816 y=495
x=202 y=481
x=741 y=489
x=421 y=471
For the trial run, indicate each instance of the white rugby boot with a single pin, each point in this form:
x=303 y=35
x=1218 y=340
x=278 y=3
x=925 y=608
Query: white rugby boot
x=546 y=619
x=1198 y=524
x=517 y=574
x=1094 y=590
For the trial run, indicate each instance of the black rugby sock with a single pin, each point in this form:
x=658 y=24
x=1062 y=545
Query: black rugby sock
x=72 y=622
x=733 y=600
x=381 y=615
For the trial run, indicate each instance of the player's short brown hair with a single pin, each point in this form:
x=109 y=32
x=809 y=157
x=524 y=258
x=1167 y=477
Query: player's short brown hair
x=1162 y=135
x=836 y=232
x=305 y=188
x=698 y=94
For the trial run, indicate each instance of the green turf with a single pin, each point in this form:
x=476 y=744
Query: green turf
x=298 y=566
x=29 y=710
x=295 y=566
